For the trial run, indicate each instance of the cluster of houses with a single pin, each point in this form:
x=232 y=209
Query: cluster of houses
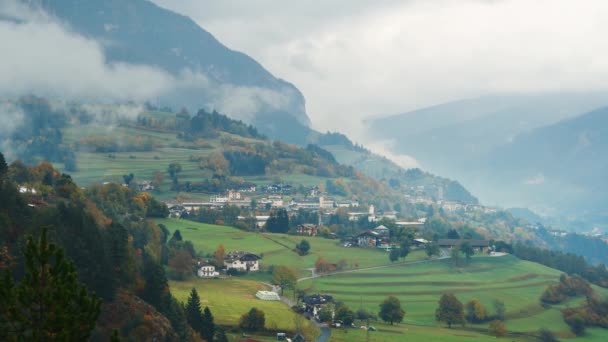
x=238 y=260
x=379 y=237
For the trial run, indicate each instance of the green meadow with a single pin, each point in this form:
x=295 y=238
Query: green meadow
x=228 y=299
x=99 y=167
x=278 y=249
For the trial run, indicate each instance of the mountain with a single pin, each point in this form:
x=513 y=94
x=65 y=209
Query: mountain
x=138 y=32
x=447 y=137
x=538 y=151
x=561 y=165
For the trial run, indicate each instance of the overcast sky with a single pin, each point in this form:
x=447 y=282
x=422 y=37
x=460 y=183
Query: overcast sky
x=354 y=59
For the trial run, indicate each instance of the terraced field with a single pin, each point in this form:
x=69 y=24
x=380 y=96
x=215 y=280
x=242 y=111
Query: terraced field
x=419 y=286
x=278 y=249
x=418 y=283
x=98 y=167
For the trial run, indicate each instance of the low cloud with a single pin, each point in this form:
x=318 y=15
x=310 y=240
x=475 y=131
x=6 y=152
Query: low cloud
x=385 y=148
x=12 y=118
x=41 y=56
x=353 y=59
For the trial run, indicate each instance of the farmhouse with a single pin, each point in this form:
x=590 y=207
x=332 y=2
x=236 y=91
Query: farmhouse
x=242 y=261
x=480 y=245
x=369 y=239
x=314 y=303
x=307 y=229
x=420 y=242
x=207 y=271
x=382 y=230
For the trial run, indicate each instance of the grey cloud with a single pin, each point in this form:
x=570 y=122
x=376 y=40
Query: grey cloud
x=353 y=59
x=43 y=57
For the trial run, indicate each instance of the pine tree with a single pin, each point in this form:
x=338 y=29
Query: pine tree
x=49 y=304
x=3 y=166
x=194 y=314
x=155 y=289
x=208 y=325
x=221 y=336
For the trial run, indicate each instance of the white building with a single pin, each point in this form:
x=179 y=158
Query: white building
x=207 y=271
x=242 y=261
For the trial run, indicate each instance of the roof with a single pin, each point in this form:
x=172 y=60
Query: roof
x=381 y=227
x=369 y=232
x=458 y=242
x=242 y=256
x=318 y=299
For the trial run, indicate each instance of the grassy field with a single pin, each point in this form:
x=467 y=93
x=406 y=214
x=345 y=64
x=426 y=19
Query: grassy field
x=228 y=299
x=98 y=167
x=518 y=283
x=277 y=249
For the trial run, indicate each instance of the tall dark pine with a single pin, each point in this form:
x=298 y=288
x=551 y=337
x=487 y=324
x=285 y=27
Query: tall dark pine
x=3 y=166
x=208 y=325
x=194 y=314
x=49 y=304
x=156 y=283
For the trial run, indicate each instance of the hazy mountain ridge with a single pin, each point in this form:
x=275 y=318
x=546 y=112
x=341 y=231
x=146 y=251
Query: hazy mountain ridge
x=563 y=164
x=519 y=154
x=140 y=33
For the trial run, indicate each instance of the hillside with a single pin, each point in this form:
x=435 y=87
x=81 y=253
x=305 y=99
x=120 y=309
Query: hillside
x=136 y=33
x=503 y=147
x=446 y=137
x=369 y=278
x=561 y=166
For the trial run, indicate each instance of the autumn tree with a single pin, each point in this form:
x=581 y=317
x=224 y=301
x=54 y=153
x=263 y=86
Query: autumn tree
x=181 y=265
x=345 y=314
x=284 y=276
x=497 y=328
x=391 y=311
x=157 y=181
x=321 y=265
x=450 y=310
x=475 y=311
x=194 y=314
x=219 y=256
x=48 y=304
x=253 y=320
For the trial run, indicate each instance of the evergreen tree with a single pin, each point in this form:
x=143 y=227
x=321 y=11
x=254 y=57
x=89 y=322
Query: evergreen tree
x=3 y=166
x=49 y=304
x=404 y=248
x=174 y=311
x=194 y=314
x=221 y=336
x=208 y=325
x=155 y=288
x=393 y=255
